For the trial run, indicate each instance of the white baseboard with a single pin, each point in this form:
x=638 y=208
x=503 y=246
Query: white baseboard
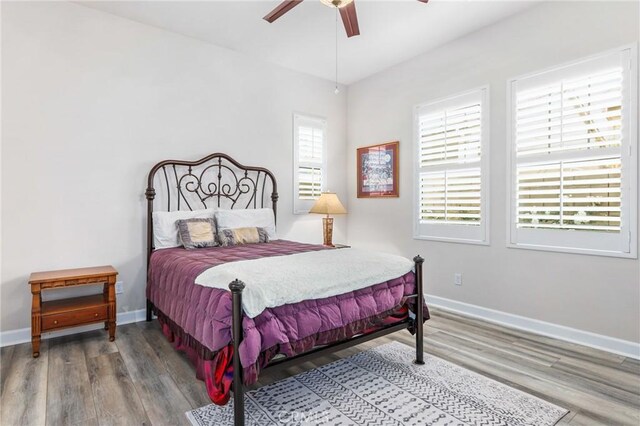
x=561 y=332
x=23 y=335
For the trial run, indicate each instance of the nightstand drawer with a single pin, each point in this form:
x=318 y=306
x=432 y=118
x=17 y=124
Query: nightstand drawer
x=80 y=316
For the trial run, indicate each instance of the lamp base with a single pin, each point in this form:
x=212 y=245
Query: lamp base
x=327 y=231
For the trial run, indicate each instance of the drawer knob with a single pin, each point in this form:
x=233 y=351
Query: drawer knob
x=95 y=315
x=55 y=321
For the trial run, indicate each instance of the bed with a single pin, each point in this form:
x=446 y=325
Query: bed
x=228 y=345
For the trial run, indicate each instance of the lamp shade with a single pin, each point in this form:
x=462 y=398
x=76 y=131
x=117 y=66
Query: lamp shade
x=328 y=203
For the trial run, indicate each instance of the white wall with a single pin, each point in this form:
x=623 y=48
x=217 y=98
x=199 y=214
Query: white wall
x=596 y=294
x=91 y=101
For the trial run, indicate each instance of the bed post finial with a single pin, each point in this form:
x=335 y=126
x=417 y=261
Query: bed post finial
x=236 y=287
x=418 y=261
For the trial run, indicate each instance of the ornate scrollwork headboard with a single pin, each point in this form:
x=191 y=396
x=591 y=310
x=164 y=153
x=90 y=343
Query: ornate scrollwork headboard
x=216 y=180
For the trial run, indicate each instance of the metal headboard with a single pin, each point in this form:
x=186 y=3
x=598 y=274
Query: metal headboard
x=216 y=180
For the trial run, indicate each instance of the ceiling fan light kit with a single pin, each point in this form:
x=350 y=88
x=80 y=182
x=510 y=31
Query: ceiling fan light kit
x=336 y=3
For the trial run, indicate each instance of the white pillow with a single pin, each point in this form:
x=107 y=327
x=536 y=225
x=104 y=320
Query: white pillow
x=165 y=230
x=244 y=218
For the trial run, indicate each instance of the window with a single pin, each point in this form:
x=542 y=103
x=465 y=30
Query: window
x=451 y=169
x=573 y=154
x=309 y=161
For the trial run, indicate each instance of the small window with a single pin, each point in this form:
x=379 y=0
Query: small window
x=451 y=164
x=309 y=161
x=573 y=157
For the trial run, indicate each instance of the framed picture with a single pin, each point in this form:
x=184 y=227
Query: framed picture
x=378 y=170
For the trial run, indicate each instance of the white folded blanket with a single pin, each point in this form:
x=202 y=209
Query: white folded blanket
x=279 y=280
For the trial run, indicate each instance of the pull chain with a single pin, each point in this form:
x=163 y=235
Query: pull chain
x=337 y=90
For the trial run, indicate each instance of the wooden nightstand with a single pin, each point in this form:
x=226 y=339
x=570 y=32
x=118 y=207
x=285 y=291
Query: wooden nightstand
x=71 y=312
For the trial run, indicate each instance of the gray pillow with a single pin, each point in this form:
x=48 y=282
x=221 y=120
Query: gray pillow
x=197 y=232
x=236 y=236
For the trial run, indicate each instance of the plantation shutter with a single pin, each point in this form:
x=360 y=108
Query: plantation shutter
x=309 y=172
x=450 y=138
x=570 y=116
x=309 y=182
x=573 y=157
x=573 y=132
x=451 y=196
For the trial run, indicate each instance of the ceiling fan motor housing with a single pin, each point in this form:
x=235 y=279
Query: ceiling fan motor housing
x=336 y=3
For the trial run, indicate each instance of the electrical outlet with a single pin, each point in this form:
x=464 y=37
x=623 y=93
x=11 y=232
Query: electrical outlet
x=119 y=287
x=457 y=278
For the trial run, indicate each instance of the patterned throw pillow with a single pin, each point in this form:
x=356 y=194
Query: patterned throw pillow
x=197 y=232
x=233 y=237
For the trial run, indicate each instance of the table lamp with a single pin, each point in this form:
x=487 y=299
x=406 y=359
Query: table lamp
x=327 y=204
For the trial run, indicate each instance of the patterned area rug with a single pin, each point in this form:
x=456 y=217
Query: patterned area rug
x=382 y=386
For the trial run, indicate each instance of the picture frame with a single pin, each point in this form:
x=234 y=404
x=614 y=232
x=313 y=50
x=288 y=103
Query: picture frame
x=378 y=170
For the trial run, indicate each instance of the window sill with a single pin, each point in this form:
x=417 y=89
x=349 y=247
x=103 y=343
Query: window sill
x=573 y=250
x=452 y=240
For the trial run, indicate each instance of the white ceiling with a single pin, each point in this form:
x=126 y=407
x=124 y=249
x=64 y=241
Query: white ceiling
x=304 y=38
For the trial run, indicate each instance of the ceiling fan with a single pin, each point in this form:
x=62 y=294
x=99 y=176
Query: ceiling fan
x=347 y=10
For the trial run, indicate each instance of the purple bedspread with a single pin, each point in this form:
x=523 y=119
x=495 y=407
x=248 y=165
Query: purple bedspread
x=204 y=313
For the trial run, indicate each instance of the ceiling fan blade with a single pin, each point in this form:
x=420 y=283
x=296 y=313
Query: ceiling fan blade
x=423 y=1
x=282 y=8
x=350 y=19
